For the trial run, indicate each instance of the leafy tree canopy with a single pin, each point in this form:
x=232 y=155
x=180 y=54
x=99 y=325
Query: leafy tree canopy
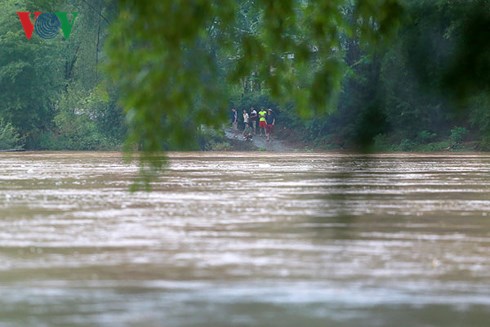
x=175 y=61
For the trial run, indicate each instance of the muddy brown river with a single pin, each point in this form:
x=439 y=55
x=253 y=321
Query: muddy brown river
x=246 y=239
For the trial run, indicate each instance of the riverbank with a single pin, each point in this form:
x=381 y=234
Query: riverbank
x=289 y=140
x=260 y=143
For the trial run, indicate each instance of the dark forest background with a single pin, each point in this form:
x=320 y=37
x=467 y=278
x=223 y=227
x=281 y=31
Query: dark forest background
x=421 y=86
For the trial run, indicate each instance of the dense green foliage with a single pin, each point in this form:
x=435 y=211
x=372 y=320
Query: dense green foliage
x=381 y=75
x=412 y=94
x=177 y=64
x=50 y=89
x=9 y=137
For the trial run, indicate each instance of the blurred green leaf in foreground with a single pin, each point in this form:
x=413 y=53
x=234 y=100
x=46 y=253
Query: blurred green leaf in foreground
x=176 y=61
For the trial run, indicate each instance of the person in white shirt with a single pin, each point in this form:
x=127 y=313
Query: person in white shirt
x=253 y=119
x=245 y=118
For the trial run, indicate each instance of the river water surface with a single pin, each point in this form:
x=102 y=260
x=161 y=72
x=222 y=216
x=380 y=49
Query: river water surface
x=246 y=239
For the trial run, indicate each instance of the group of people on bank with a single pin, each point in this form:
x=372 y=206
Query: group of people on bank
x=266 y=120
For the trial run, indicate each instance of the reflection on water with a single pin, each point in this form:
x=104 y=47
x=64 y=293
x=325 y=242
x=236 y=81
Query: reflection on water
x=246 y=239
